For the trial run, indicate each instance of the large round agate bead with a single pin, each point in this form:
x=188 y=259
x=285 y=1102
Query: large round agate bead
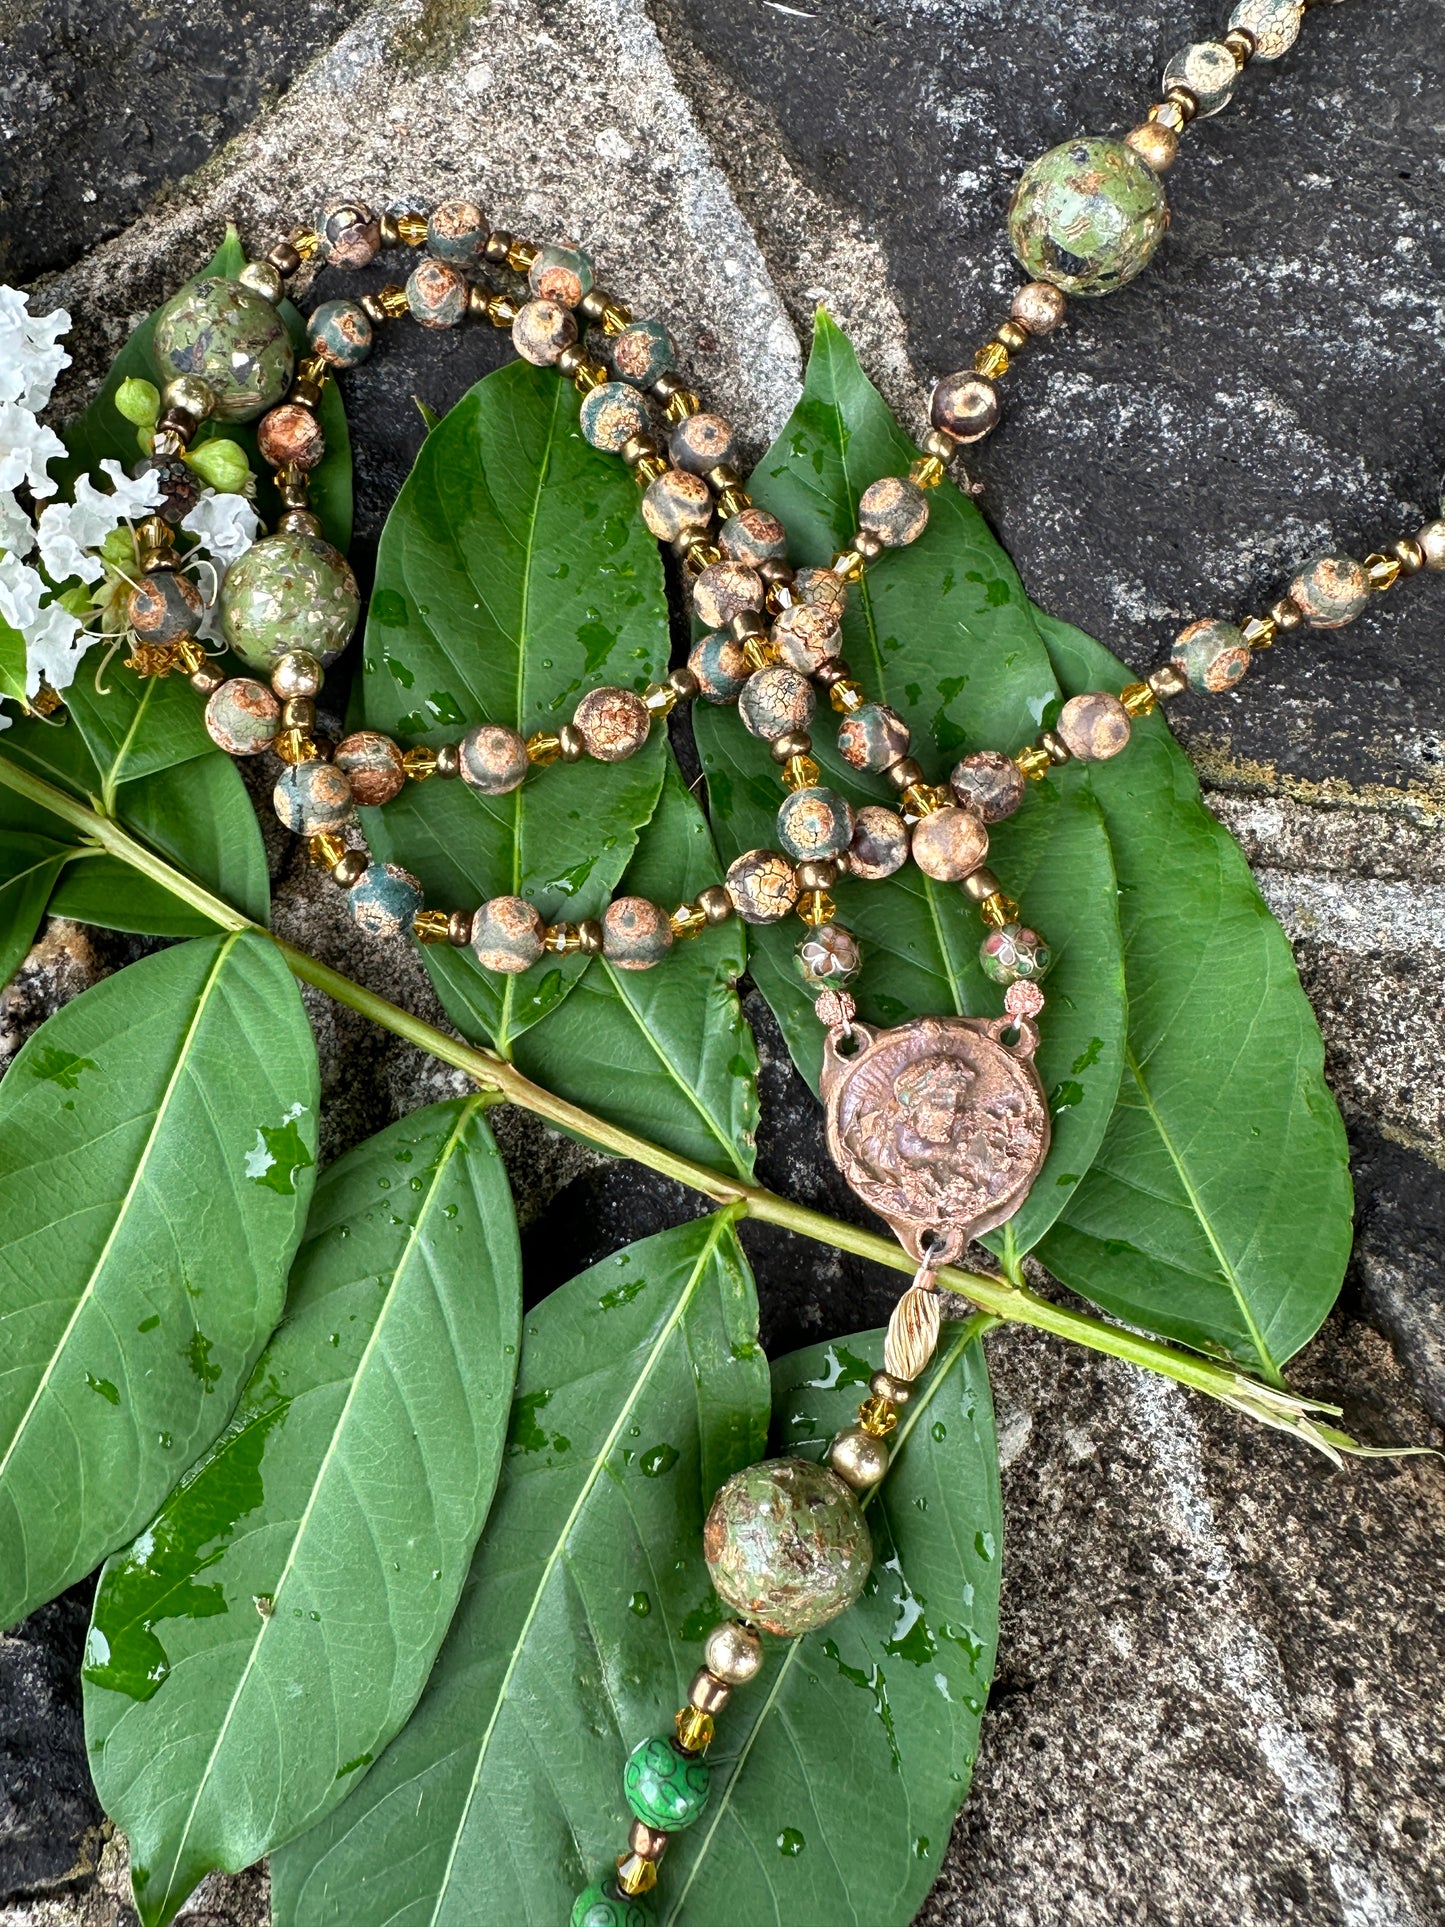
x=787 y=1545
x=229 y=336
x=289 y=592
x=1087 y=215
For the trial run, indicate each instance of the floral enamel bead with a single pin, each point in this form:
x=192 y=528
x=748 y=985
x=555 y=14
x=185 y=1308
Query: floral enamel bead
x=636 y=934
x=724 y=590
x=437 y=294
x=814 y=825
x=373 y=767
x=384 y=900
x=612 y=414
x=1087 y=215
x=341 y=333
x=242 y=716
x=164 y=606
x=312 y=797
x=787 y=1545
x=351 y=235
x=762 y=885
x=229 y=336
x=1275 y=25
x=289 y=592
x=541 y=330
x=721 y=668
x=1094 y=726
x=613 y=723
x=290 y=436
x=873 y=737
x=456 y=231
x=880 y=843
x=894 y=509
x=949 y=845
x=1331 y=590
x=507 y=935
x=754 y=536
x=1211 y=655
x=493 y=759
x=827 y=957
x=701 y=442
x=776 y=701
x=642 y=352
x=989 y=783
x=665 y=1787
x=675 y=504
x=560 y=274
x=808 y=636
x=1014 y=952
x=600 y=1906
x=821 y=589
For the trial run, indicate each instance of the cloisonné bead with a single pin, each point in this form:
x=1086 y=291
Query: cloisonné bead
x=815 y=824
x=437 y=293
x=290 y=434
x=289 y=592
x=312 y=797
x=989 y=783
x=965 y=406
x=701 y=442
x=1275 y=25
x=874 y=737
x=1211 y=656
x=507 y=935
x=1087 y=216
x=1331 y=590
x=1038 y=306
x=493 y=759
x=1094 y=726
x=895 y=510
x=880 y=843
x=724 y=590
x=733 y=1653
x=808 y=636
x=351 y=235
x=675 y=504
x=721 y=668
x=612 y=413
x=643 y=351
x=949 y=844
x=613 y=723
x=762 y=886
x=754 y=536
x=826 y=957
x=1012 y=952
x=456 y=231
x=231 y=338
x=180 y=487
x=1208 y=69
x=665 y=1787
x=636 y=934
x=373 y=766
x=542 y=330
x=560 y=274
x=787 y=1545
x=384 y=899
x=341 y=333
x=600 y=1906
x=164 y=607
x=242 y=717
x=775 y=701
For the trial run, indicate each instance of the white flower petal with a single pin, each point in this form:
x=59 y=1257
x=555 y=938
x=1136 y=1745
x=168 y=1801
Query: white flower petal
x=224 y=526
x=17 y=531
x=50 y=649
x=26 y=446
x=30 y=354
x=134 y=496
x=21 y=588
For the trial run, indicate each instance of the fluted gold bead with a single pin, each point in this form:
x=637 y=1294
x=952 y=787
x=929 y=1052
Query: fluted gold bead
x=420 y=763
x=326 y=849
x=998 y=910
x=849 y=564
x=1383 y=571
x=927 y=472
x=878 y=1416
x=521 y=254
x=615 y=317
x=1138 y=698
x=635 y=1874
x=544 y=747
x=681 y=403
x=846 y=696
x=296 y=746
x=694 y=1729
x=688 y=920
x=432 y=926
x=1260 y=631
x=816 y=906
x=800 y=773
x=991 y=360
x=760 y=652
x=651 y=469
x=311 y=368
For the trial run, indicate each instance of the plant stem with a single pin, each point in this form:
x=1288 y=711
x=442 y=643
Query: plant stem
x=1005 y=1298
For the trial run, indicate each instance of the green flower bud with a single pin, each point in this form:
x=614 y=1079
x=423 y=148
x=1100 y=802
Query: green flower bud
x=79 y=599
x=118 y=548
x=139 y=402
x=221 y=463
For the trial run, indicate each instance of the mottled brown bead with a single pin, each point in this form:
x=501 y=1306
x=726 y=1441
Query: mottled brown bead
x=874 y=737
x=966 y=406
x=492 y=759
x=507 y=935
x=675 y=504
x=807 y=636
x=164 y=607
x=721 y=668
x=753 y=536
x=701 y=442
x=775 y=701
x=989 y=783
x=724 y=590
x=1039 y=307
x=613 y=723
x=949 y=843
x=437 y=294
x=242 y=717
x=373 y=764
x=352 y=235
x=894 y=509
x=290 y=435
x=879 y=846
x=542 y=330
x=1331 y=590
x=823 y=589
x=456 y=231
x=636 y=934
x=1094 y=726
x=762 y=886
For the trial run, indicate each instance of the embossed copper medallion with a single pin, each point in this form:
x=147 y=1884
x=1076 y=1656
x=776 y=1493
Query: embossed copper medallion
x=939 y=1126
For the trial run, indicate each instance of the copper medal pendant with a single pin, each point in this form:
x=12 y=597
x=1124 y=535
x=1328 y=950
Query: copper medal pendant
x=940 y=1126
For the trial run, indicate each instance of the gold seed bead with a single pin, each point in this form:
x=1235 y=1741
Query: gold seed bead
x=688 y=920
x=651 y=468
x=1286 y=614
x=326 y=849
x=1383 y=571
x=759 y=652
x=733 y=501
x=800 y=773
x=306 y=241
x=660 y=698
x=998 y=910
x=1013 y=334
x=420 y=763
x=615 y=317
x=991 y=360
x=635 y=1875
x=846 y=696
x=701 y=555
x=1409 y=554
x=926 y=472
x=1240 y=42
x=351 y=869
x=816 y=906
x=715 y=903
x=432 y=926
x=501 y=310
x=1186 y=102
x=459 y=929
x=297 y=746
x=878 y=1416
x=694 y=1729
x=1138 y=698
x=1260 y=631
x=563 y=938
x=544 y=747
x=681 y=403
x=849 y=564
x=521 y=254
x=411 y=229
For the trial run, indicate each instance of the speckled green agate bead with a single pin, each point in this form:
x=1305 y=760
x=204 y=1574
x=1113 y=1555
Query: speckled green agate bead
x=642 y=352
x=242 y=716
x=612 y=414
x=341 y=333
x=787 y=1545
x=231 y=338
x=312 y=797
x=1087 y=216
x=1331 y=590
x=815 y=825
x=874 y=737
x=665 y=1787
x=289 y=592
x=600 y=1906
x=1211 y=656
x=456 y=231
x=384 y=899
x=721 y=668
x=636 y=934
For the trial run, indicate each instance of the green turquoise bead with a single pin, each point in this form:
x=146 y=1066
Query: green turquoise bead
x=341 y=333
x=643 y=351
x=1014 y=952
x=289 y=592
x=312 y=797
x=786 y=1542
x=665 y=1787
x=1087 y=216
x=229 y=336
x=721 y=668
x=815 y=825
x=612 y=414
x=384 y=899
x=1211 y=656
x=599 y=1906
x=457 y=232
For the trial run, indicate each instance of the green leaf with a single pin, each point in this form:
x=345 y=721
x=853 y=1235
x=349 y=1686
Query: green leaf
x=200 y=815
x=29 y=866
x=271 y=1629
x=1218 y=1209
x=514 y=574
x=942 y=631
x=838 y=1773
x=641 y=1388
x=157 y=1139
x=138 y=726
x=665 y=1052
x=102 y=890
x=12 y=662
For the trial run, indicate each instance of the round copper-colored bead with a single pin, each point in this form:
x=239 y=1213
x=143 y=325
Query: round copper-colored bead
x=373 y=763
x=833 y=672
x=297 y=674
x=967 y=406
x=949 y=843
x=1094 y=726
x=820 y=875
x=571 y=744
x=708 y=1693
x=715 y=903
x=613 y=723
x=733 y=1652
x=1039 y=307
x=290 y=434
x=1286 y=614
x=1155 y=144
x=904 y=774
x=449 y=761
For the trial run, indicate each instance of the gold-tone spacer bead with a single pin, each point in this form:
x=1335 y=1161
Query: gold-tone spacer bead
x=846 y=696
x=681 y=403
x=326 y=849
x=733 y=501
x=998 y=910
x=544 y=747
x=432 y=926
x=800 y=773
x=635 y=1874
x=1185 y=101
x=849 y=564
x=1286 y=615
x=651 y=468
x=297 y=746
x=760 y=652
x=521 y=254
x=1260 y=631
x=411 y=229
x=878 y=1416
x=563 y=938
x=297 y=712
x=688 y=920
x=694 y=1729
x=1168 y=115
x=816 y=906
x=420 y=763
x=991 y=360
x=306 y=241
x=590 y=375
x=311 y=368
x=1013 y=334
x=1383 y=571
x=926 y=472
x=1240 y=42
x=1410 y=555
x=615 y=317
x=392 y=301
x=1138 y=698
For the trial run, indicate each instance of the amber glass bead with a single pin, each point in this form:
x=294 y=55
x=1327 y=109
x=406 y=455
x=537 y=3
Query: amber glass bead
x=306 y=241
x=1383 y=571
x=636 y=1874
x=326 y=850
x=660 y=697
x=922 y=799
x=392 y=301
x=520 y=255
x=1260 y=631
x=681 y=403
x=878 y=1416
x=701 y=556
x=1035 y=763
x=420 y=763
x=998 y=910
x=927 y=472
x=991 y=360
x=589 y=376
x=1138 y=698
x=760 y=652
x=651 y=468
x=432 y=926
x=544 y=747
x=846 y=696
x=694 y=1730
x=849 y=564
x=615 y=318
x=501 y=310
x=563 y=938
x=412 y=229
x=688 y=920
x=816 y=906
x=800 y=773
x=296 y=746
x=732 y=502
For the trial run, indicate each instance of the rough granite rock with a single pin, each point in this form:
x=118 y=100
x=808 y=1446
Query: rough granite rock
x=1239 y=1726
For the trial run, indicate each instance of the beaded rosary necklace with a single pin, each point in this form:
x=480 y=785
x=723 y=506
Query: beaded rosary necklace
x=941 y=1124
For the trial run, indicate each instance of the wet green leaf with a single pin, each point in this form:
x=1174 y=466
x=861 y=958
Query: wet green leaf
x=157 y=1139
x=29 y=867
x=1218 y=1210
x=272 y=1627
x=580 y=1624
x=665 y=1052
x=103 y=890
x=514 y=574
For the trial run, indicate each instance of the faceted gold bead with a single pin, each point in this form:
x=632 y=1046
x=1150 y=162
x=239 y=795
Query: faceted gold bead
x=849 y=564
x=615 y=317
x=589 y=376
x=694 y=1730
x=701 y=556
x=816 y=906
x=660 y=697
x=688 y=920
x=1383 y=571
x=563 y=938
x=1138 y=698
x=392 y=301
x=432 y=926
x=926 y=472
x=521 y=254
x=800 y=773
x=326 y=850
x=306 y=241
x=998 y=910
x=420 y=763
x=733 y=501
x=636 y=1875
x=681 y=403
x=501 y=310
x=846 y=696
x=412 y=229
x=1260 y=631
x=761 y=652
x=544 y=747
x=651 y=468
x=311 y=368
x=296 y=746
x=922 y=799
x=991 y=360
x=878 y=1416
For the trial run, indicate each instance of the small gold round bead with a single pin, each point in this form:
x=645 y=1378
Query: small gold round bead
x=684 y=684
x=1168 y=681
x=817 y=875
x=887 y=1385
x=649 y=1843
x=459 y=929
x=207 y=679
x=979 y=885
x=868 y=545
x=589 y=937
x=1013 y=334
x=708 y=1693
x=571 y=746
x=797 y=742
x=733 y=1652
x=1408 y=554
x=1054 y=746
x=1155 y=144
x=1432 y=543
x=939 y=443
x=350 y=868
x=1240 y=42
x=715 y=903
x=449 y=760
x=1286 y=614
x=859 y=1457
x=903 y=774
